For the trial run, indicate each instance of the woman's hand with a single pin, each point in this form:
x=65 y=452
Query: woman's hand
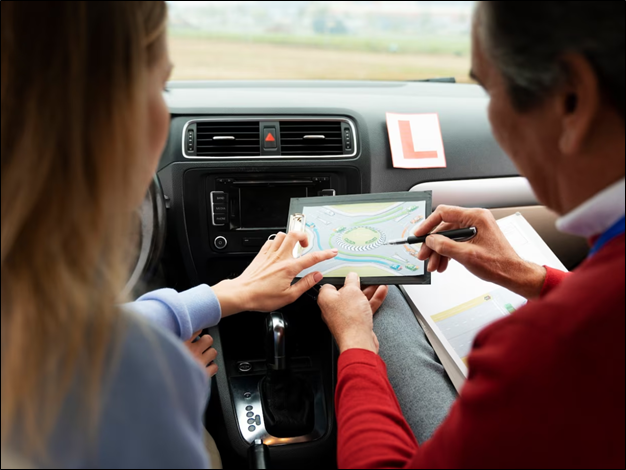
x=267 y=283
x=349 y=313
x=489 y=255
x=202 y=352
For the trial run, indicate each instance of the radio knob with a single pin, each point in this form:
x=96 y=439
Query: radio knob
x=220 y=243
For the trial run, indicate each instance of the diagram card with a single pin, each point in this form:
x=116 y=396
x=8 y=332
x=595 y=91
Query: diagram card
x=415 y=140
x=360 y=227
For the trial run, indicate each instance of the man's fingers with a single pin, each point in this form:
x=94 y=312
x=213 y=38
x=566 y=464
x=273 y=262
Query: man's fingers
x=378 y=298
x=445 y=247
x=305 y=284
x=370 y=291
x=353 y=280
x=326 y=295
x=443 y=264
x=433 y=262
x=451 y=214
x=310 y=260
x=424 y=252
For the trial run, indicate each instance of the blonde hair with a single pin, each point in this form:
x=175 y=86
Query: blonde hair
x=72 y=75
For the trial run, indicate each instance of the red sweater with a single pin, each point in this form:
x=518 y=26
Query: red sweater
x=545 y=387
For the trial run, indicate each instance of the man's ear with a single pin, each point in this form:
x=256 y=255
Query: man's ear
x=578 y=101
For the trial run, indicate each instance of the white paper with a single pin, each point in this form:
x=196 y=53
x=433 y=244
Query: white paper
x=415 y=140
x=457 y=304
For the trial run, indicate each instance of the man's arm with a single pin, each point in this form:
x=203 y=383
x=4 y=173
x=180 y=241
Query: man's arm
x=553 y=278
x=487 y=427
x=372 y=430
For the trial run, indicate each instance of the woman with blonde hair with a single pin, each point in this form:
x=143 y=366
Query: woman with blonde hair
x=85 y=383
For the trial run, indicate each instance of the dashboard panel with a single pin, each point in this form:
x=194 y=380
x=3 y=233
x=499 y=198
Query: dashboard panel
x=186 y=177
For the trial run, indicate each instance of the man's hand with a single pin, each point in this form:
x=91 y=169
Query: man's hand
x=266 y=285
x=202 y=352
x=349 y=313
x=489 y=255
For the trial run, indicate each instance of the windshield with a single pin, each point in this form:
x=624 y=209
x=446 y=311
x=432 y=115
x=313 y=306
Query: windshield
x=332 y=40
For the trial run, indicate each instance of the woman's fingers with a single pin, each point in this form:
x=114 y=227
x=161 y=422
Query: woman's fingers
x=211 y=370
x=190 y=341
x=277 y=242
x=310 y=260
x=204 y=343
x=290 y=241
x=303 y=285
x=209 y=356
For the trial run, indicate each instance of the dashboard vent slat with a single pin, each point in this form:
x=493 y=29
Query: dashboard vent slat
x=293 y=143
x=246 y=141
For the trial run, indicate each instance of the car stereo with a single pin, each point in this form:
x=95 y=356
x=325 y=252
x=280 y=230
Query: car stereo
x=244 y=211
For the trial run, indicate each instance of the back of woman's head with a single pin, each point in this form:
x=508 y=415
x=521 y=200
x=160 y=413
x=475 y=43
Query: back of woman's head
x=72 y=73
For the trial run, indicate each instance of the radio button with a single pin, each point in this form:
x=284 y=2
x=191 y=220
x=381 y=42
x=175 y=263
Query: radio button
x=220 y=243
x=218 y=197
x=219 y=219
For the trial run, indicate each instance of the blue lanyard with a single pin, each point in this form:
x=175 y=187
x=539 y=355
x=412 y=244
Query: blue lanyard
x=616 y=230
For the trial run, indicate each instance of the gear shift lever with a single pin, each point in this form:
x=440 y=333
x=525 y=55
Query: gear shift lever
x=275 y=342
x=287 y=398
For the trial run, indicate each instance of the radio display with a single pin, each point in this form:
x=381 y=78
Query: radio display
x=267 y=207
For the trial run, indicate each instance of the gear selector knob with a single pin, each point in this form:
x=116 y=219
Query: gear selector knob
x=275 y=341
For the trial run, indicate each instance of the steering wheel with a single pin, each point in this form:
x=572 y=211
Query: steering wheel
x=151 y=230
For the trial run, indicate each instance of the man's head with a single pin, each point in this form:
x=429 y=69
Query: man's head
x=554 y=71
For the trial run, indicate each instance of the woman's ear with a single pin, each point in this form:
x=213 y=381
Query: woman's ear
x=578 y=102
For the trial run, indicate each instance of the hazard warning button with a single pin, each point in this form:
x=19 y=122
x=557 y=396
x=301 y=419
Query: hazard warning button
x=269 y=138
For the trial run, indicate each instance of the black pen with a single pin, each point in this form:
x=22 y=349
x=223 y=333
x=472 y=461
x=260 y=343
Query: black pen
x=458 y=235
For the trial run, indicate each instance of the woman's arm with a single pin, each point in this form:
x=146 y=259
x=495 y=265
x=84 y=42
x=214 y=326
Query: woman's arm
x=182 y=313
x=152 y=413
x=266 y=285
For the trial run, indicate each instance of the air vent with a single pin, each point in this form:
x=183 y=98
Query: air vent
x=228 y=139
x=311 y=138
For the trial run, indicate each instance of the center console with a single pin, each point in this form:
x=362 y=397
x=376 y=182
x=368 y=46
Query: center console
x=244 y=210
x=277 y=374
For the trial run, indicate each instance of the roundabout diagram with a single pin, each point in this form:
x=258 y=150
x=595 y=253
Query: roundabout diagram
x=360 y=232
x=360 y=239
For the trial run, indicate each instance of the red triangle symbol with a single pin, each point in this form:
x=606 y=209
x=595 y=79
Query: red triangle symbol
x=270 y=138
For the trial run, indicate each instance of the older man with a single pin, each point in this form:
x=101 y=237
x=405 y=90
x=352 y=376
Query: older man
x=545 y=385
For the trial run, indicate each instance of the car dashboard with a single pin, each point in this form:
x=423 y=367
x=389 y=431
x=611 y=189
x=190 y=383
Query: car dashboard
x=239 y=151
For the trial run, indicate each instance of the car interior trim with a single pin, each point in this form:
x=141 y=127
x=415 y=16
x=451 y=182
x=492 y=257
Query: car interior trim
x=353 y=154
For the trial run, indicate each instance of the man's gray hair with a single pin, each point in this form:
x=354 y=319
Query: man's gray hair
x=526 y=41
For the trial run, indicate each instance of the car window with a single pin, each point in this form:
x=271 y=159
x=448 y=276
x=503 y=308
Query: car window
x=333 y=40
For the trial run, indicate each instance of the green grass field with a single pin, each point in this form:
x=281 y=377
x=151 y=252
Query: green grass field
x=207 y=56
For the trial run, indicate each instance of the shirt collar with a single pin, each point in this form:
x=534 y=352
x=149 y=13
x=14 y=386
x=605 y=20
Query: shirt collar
x=596 y=215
